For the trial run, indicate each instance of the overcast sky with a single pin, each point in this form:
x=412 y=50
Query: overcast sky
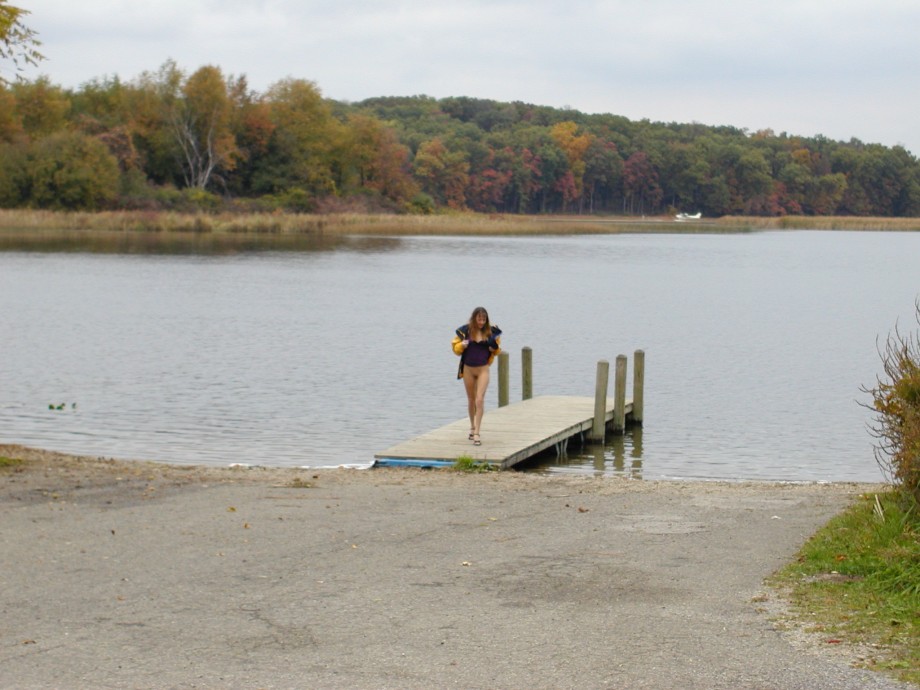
x=840 y=68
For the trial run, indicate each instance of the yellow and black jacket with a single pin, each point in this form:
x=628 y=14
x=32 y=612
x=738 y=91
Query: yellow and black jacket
x=463 y=333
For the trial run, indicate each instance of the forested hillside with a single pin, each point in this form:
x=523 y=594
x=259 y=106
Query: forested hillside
x=204 y=141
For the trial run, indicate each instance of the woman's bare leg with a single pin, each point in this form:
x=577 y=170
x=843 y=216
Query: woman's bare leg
x=469 y=383
x=476 y=381
x=482 y=383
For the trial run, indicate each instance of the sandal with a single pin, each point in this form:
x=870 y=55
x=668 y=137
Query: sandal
x=476 y=441
x=472 y=433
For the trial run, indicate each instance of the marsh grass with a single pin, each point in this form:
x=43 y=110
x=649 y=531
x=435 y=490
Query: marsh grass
x=826 y=223
x=153 y=232
x=857 y=581
x=338 y=223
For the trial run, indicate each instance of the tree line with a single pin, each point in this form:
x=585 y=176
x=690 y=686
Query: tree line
x=170 y=139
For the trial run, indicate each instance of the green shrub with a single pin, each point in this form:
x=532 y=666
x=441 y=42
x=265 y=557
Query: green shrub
x=187 y=200
x=295 y=200
x=896 y=404
x=168 y=198
x=201 y=200
x=467 y=464
x=421 y=204
x=71 y=171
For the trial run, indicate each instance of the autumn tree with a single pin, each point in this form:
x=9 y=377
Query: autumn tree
x=252 y=128
x=825 y=194
x=517 y=147
x=42 y=107
x=887 y=178
x=490 y=184
x=603 y=172
x=379 y=161
x=18 y=43
x=641 y=191
x=201 y=121
x=525 y=180
x=101 y=108
x=443 y=174
x=683 y=174
x=10 y=122
x=151 y=102
x=290 y=144
x=539 y=166
x=574 y=146
x=102 y=102
x=750 y=180
x=302 y=143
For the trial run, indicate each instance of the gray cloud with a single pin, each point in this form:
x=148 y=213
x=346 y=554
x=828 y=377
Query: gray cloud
x=842 y=68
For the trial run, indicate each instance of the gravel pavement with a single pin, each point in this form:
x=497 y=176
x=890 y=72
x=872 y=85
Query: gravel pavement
x=136 y=575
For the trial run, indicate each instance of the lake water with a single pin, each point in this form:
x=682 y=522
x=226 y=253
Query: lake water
x=756 y=347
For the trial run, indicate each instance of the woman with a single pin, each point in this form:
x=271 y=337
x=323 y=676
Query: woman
x=477 y=343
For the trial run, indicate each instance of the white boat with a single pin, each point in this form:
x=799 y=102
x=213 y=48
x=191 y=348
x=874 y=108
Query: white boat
x=688 y=216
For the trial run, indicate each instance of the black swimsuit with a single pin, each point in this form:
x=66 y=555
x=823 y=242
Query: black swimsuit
x=476 y=354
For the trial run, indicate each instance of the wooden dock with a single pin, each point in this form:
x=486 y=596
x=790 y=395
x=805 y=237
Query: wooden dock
x=510 y=434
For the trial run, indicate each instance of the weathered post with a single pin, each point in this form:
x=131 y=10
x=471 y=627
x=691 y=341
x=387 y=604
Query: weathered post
x=619 y=396
x=526 y=373
x=503 y=379
x=638 y=385
x=600 y=401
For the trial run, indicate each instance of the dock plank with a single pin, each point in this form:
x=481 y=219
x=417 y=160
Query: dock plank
x=510 y=434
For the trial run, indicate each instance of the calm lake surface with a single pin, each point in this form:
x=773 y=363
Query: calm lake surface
x=756 y=347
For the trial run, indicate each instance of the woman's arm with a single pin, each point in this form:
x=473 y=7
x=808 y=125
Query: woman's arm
x=459 y=345
x=495 y=340
x=460 y=341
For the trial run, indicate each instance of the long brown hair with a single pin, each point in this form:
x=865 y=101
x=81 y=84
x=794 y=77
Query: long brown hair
x=487 y=329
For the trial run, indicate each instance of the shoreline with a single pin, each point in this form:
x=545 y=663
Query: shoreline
x=99 y=468
x=15 y=222
x=127 y=232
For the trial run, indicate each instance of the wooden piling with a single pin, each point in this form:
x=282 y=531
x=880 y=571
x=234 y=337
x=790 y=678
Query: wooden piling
x=619 y=393
x=503 y=379
x=638 y=385
x=526 y=373
x=598 y=428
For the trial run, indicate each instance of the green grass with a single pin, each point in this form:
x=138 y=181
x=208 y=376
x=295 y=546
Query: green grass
x=858 y=581
x=467 y=464
x=8 y=463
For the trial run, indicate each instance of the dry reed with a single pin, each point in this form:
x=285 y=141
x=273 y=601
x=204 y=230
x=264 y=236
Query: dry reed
x=826 y=223
x=169 y=231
